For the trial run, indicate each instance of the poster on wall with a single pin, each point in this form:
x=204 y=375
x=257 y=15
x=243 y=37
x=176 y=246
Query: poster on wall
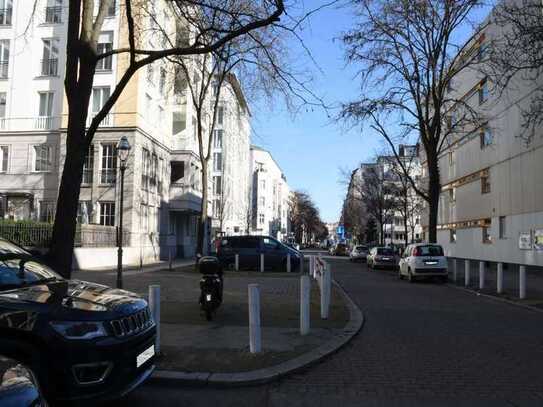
x=525 y=241
x=538 y=239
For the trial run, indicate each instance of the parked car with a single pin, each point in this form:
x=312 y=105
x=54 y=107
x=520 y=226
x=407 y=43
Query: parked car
x=18 y=385
x=340 y=249
x=423 y=260
x=249 y=249
x=383 y=257
x=359 y=252
x=81 y=340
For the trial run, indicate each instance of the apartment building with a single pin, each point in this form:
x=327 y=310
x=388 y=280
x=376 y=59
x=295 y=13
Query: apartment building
x=163 y=186
x=270 y=196
x=491 y=205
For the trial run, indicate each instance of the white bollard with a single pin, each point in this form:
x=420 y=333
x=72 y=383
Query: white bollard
x=301 y=263
x=455 y=270
x=236 y=262
x=466 y=273
x=170 y=258
x=522 y=282
x=499 y=278
x=288 y=263
x=326 y=288
x=255 y=344
x=481 y=275
x=312 y=266
x=305 y=294
x=154 y=306
x=262 y=262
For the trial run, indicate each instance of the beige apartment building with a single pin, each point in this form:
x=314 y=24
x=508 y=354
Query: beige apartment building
x=491 y=206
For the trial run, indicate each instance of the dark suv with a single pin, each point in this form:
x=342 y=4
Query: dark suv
x=249 y=249
x=82 y=340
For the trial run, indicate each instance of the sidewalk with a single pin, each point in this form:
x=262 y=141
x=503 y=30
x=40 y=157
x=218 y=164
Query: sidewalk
x=192 y=346
x=129 y=270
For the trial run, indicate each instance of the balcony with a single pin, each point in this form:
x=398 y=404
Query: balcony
x=5 y=16
x=106 y=122
x=183 y=197
x=53 y=15
x=29 y=123
x=49 y=67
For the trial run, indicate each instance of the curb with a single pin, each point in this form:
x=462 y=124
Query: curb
x=269 y=374
x=495 y=298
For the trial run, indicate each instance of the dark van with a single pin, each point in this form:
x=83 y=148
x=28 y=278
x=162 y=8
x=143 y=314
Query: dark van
x=249 y=249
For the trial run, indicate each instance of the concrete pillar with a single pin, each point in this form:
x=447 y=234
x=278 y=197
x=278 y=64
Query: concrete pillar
x=236 y=262
x=255 y=339
x=305 y=293
x=326 y=288
x=522 y=282
x=481 y=275
x=262 y=262
x=288 y=263
x=301 y=263
x=154 y=306
x=499 y=278
x=455 y=270
x=466 y=273
x=312 y=266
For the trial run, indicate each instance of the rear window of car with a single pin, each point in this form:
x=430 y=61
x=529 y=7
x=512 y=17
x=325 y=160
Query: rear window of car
x=387 y=251
x=361 y=248
x=341 y=246
x=241 y=243
x=431 y=250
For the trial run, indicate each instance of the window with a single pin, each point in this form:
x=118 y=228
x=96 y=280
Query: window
x=43 y=160
x=263 y=184
x=162 y=81
x=150 y=73
x=262 y=201
x=3 y=102
x=53 y=12
x=220 y=115
x=107 y=213
x=84 y=210
x=4 y=58
x=483 y=92
x=145 y=164
x=502 y=228
x=99 y=97
x=161 y=116
x=177 y=172
x=4 y=158
x=111 y=9
x=49 y=62
x=47 y=211
x=451 y=158
x=46 y=104
x=452 y=195
x=482 y=52
x=217 y=138
x=154 y=170
x=486 y=137
x=161 y=170
x=88 y=166
x=217 y=161
x=6 y=9
x=486 y=234
x=105 y=44
x=217 y=185
x=485 y=184
x=452 y=235
x=144 y=217
x=261 y=218
x=109 y=164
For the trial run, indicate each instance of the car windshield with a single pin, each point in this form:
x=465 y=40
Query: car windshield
x=21 y=270
x=431 y=250
x=9 y=248
x=385 y=251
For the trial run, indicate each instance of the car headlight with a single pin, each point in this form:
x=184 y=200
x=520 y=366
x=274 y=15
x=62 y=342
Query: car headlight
x=79 y=329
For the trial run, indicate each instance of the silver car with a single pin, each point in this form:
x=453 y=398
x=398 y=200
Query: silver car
x=383 y=257
x=359 y=253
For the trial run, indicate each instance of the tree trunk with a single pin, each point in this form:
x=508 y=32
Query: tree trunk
x=405 y=221
x=434 y=191
x=203 y=218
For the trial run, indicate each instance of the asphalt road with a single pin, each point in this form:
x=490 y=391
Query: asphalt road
x=422 y=344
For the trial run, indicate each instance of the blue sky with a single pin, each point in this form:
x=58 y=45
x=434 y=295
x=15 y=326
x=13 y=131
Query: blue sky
x=310 y=147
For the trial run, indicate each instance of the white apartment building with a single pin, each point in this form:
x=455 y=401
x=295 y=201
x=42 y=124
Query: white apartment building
x=491 y=206
x=163 y=180
x=270 y=196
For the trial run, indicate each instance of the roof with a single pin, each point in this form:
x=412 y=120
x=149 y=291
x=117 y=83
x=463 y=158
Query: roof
x=253 y=147
x=236 y=86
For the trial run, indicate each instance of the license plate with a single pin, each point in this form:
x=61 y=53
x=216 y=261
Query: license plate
x=208 y=297
x=386 y=258
x=145 y=355
x=430 y=263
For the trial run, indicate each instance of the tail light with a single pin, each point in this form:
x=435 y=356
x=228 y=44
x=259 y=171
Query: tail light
x=417 y=251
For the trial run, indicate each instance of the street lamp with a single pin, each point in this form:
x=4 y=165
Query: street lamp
x=123 y=150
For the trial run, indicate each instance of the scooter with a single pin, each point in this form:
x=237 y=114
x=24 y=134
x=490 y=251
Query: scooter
x=211 y=285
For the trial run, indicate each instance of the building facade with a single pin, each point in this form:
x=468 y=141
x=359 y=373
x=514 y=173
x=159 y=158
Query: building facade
x=270 y=196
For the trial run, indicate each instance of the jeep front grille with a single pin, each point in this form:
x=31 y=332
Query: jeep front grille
x=132 y=324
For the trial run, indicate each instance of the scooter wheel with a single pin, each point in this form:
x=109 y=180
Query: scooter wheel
x=209 y=315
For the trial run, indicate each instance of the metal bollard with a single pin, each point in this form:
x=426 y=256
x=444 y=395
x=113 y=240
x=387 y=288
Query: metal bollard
x=481 y=275
x=170 y=258
x=522 y=282
x=312 y=266
x=154 y=306
x=236 y=262
x=466 y=273
x=455 y=270
x=262 y=262
x=326 y=288
x=288 y=263
x=255 y=344
x=301 y=263
x=305 y=294
x=499 y=278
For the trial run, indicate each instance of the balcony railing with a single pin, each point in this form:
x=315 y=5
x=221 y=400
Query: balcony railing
x=106 y=121
x=5 y=16
x=4 y=69
x=49 y=67
x=29 y=123
x=53 y=15
x=44 y=123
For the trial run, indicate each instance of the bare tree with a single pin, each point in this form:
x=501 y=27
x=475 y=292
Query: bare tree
x=305 y=218
x=408 y=58
x=217 y=22
x=518 y=54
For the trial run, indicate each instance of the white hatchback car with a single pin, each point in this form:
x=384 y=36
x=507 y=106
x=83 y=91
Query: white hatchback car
x=359 y=252
x=423 y=260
